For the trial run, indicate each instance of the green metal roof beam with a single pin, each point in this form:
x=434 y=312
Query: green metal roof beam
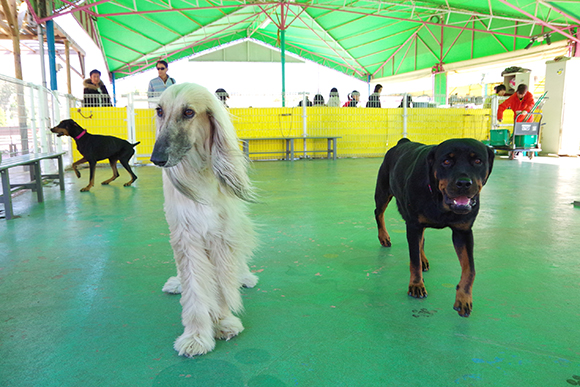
x=142 y=67
x=346 y=58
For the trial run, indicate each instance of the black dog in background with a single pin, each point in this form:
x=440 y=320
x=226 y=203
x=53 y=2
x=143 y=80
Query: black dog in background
x=94 y=148
x=435 y=186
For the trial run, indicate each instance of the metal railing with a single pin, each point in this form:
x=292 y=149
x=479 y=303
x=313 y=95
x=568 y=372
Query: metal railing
x=27 y=112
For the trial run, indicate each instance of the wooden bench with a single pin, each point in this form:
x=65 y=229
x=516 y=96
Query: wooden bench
x=35 y=183
x=289 y=153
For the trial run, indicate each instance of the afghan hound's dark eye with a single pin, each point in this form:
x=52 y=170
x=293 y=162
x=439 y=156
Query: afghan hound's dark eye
x=159 y=112
x=188 y=113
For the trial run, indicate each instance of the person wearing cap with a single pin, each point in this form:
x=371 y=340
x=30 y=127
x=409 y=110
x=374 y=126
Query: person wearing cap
x=222 y=95
x=95 y=92
x=162 y=82
x=353 y=99
x=521 y=102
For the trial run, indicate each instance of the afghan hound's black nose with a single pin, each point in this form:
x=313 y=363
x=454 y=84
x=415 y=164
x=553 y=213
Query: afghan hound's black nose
x=463 y=183
x=159 y=163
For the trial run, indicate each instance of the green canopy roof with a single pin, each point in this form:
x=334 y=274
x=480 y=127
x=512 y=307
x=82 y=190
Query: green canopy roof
x=366 y=39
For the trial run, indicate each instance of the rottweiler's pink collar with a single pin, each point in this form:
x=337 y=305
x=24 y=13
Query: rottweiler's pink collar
x=80 y=135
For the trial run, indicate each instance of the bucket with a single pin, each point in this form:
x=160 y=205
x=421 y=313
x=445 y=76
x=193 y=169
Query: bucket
x=499 y=137
x=530 y=141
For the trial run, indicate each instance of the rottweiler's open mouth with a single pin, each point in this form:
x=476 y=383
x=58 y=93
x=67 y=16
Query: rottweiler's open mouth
x=460 y=204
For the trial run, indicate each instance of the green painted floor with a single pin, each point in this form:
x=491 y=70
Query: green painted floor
x=81 y=277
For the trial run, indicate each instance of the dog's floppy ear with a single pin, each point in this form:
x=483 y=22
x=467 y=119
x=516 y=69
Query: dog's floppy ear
x=431 y=166
x=227 y=160
x=431 y=156
x=71 y=126
x=490 y=158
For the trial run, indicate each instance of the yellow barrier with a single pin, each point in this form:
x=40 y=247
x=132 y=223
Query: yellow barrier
x=100 y=120
x=364 y=132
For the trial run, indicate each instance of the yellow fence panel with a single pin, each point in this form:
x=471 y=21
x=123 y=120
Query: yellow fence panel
x=367 y=132
x=100 y=120
x=145 y=133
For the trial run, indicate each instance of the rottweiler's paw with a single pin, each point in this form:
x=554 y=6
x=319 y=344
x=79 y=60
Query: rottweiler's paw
x=425 y=265
x=384 y=238
x=463 y=304
x=417 y=290
x=77 y=173
x=86 y=189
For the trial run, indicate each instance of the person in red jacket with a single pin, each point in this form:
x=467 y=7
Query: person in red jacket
x=521 y=102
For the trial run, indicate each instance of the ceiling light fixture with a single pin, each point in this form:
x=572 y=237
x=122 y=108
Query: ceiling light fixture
x=532 y=40
x=540 y=38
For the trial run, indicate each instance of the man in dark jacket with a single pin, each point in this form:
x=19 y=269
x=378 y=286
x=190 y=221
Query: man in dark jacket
x=95 y=92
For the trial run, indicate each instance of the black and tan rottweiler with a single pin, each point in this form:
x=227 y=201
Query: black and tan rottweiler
x=435 y=186
x=96 y=147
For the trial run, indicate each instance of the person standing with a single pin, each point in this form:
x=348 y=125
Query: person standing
x=353 y=99
x=222 y=95
x=318 y=100
x=334 y=99
x=162 y=82
x=375 y=97
x=95 y=93
x=499 y=91
x=521 y=102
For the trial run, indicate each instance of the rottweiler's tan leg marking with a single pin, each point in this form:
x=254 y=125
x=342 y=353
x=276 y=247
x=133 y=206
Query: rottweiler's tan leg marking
x=113 y=164
x=463 y=243
x=424 y=260
x=384 y=236
x=415 y=236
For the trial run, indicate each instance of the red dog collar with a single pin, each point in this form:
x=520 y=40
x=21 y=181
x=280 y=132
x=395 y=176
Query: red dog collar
x=80 y=135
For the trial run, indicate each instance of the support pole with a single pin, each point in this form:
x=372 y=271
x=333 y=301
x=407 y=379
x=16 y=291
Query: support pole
x=114 y=89
x=283 y=61
x=67 y=58
x=304 y=121
x=405 y=115
x=440 y=88
x=40 y=34
x=51 y=54
x=33 y=123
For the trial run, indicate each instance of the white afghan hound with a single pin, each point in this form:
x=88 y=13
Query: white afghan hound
x=205 y=184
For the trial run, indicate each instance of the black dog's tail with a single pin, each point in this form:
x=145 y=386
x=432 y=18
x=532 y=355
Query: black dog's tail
x=137 y=143
x=403 y=140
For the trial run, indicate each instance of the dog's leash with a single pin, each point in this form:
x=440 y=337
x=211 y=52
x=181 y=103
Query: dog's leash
x=81 y=113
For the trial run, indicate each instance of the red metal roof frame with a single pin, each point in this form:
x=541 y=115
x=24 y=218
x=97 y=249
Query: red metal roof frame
x=287 y=9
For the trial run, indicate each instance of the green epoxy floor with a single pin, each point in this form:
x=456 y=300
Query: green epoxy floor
x=81 y=277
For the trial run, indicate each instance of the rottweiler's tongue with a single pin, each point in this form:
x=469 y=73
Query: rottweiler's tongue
x=462 y=201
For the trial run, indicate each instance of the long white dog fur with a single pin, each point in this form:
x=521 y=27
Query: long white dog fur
x=206 y=185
